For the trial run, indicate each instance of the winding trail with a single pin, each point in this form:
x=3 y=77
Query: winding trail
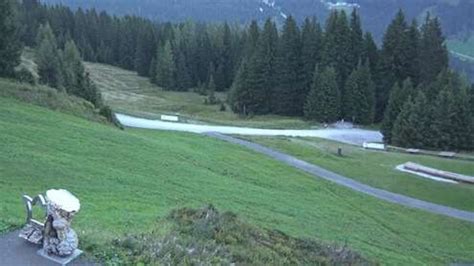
x=319 y=172
x=350 y=136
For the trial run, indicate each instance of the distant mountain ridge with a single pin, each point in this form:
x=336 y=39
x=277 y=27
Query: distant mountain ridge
x=376 y=14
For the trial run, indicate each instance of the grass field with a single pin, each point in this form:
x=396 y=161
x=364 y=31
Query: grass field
x=126 y=92
x=127 y=180
x=378 y=169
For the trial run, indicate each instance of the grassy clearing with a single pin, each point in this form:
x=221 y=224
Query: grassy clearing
x=377 y=169
x=126 y=92
x=127 y=180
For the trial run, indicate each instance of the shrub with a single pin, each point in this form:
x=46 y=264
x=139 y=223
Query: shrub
x=25 y=76
x=207 y=237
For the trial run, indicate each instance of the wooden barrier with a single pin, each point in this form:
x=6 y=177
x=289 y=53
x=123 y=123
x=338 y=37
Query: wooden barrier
x=438 y=173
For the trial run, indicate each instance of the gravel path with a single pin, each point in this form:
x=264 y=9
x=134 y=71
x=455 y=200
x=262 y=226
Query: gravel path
x=350 y=136
x=319 y=172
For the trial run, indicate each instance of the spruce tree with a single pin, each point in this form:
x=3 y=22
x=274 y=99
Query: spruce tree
x=359 y=98
x=398 y=97
x=312 y=44
x=262 y=70
x=401 y=133
x=413 y=53
x=394 y=60
x=48 y=58
x=91 y=92
x=211 y=91
x=240 y=95
x=10 y=48
x=337 y=47
x=323 y=101
x=73 y=70
x=152 y=71
x=442 y=128
x=226 y=58
x=182 y=74
x=165 y=67
x=253 y=33
x=357 y=39
x=463 y=135
x=433 y=51
x=370 y=54
x=411 y=127
x=145 y=50
x=288 y=97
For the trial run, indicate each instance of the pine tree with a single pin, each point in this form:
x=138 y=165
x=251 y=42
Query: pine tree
x=394 y=60
x=337 y=47
x=312 y=44
x=145 y=50
x=10 y=48
x=30 y=13
x=48 y=58
x=412 y=124
x=288 y=96
x=323 y=101
x=165 y=67
x=413 y=53
x=211 y=89
x=262 y=70
x=370 y=54
x=76 y=80
x=73 y=70
x=359 y=99
x=182 y=75
x=402 y=132
x=463 y=135
x=252 y=39
x=240 y=95
x=152 y=71
x=443 y=116
x=91 y=93
x=226 y=58
x=398 y=97
x=433 y=51
x=357 y=39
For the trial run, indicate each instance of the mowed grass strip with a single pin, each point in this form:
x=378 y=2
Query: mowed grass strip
x=129 y=93
x=127 y=180
x=377 y=168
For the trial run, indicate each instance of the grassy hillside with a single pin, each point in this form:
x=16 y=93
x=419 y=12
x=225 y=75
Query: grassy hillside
x=126 y=92
x=127 y=180
x=378 y=169
x=50 y=98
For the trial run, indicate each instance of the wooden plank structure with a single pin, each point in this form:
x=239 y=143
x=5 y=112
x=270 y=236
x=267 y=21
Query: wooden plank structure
x=439 y=173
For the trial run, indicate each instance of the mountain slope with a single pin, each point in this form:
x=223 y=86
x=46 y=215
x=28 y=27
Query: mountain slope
x=126 y=180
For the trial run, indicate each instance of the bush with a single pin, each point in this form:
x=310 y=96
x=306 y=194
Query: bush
x=25 y=76
x=223 y=108
x=208 y=237
x=107 y=112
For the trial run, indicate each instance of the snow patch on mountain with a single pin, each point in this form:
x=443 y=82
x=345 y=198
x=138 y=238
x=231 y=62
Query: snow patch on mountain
x=338 y=5
x=269 y=3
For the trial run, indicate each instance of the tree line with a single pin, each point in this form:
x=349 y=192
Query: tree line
x=60 y=67
x=323 y=73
